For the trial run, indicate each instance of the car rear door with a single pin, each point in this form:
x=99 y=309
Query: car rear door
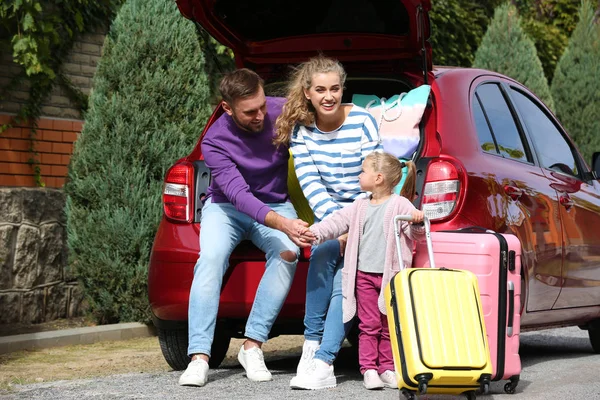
x=579 y=202
x=521 y=199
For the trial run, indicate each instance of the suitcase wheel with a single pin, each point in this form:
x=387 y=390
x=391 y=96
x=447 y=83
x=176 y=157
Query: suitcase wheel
x=510 y=388
x=470 y=395
x=409 y=395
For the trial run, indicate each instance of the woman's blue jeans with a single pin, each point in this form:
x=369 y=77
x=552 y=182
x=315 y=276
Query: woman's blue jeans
x=222 y=229
x=323 y=320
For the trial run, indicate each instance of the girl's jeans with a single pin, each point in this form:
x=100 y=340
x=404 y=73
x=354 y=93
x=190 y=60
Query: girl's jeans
x=374 y=346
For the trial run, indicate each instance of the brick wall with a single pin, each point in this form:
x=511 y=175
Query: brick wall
x=79 y=67
x=60 y=123
x=53 y=144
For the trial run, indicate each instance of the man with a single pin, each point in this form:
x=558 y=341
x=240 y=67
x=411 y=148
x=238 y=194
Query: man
x=247 y=199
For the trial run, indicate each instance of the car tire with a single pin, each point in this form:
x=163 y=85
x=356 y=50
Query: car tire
x=174 y=347
x=594 y=335
x=352 y=335
x=220 y=346
x=173 y=344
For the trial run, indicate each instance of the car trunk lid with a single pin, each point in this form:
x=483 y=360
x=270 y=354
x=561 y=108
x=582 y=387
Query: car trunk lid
x=271 y=34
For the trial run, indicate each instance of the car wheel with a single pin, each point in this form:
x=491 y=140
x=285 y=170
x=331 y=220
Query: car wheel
x=173 y=344
x=174 y=347
x=594 y=335
x=220 y=346
x=352 y=335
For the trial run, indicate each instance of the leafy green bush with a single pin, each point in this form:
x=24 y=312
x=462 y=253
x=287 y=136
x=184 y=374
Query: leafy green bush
x=506 y=49
x=576 y=84
x=456 y=29
x=148 y=105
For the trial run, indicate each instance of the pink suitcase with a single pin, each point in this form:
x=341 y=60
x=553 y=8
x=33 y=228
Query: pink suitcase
x=496 y=260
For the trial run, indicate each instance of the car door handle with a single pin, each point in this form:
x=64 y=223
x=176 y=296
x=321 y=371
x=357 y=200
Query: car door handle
x=513 y=192
x=565 y=200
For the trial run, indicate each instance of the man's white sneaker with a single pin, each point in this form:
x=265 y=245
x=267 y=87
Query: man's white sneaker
x=309 y=348
x=196 y=373
x=389 y=379
x=372 y=380
x=253 y=362
x=318 y=375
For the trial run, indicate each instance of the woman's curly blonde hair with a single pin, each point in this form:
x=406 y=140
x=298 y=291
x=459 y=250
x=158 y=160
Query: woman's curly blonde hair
x=297 y=109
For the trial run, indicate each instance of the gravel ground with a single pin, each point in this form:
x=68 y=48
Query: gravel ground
x=557 y=364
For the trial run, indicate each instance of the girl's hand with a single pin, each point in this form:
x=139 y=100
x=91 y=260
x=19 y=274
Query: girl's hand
x=417 y=216
x=343 y=240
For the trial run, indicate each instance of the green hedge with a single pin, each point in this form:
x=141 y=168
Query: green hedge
x=149 y=103
x=576 y=83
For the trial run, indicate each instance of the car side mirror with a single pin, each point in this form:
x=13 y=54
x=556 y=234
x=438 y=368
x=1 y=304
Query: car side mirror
x=596 y=165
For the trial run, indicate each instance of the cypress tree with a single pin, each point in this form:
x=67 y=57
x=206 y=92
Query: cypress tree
x=576 y=83
x=147 y=108
x=506 y=49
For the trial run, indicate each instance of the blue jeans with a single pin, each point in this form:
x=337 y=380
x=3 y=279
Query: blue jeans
x=323 y=320
x=222 y=229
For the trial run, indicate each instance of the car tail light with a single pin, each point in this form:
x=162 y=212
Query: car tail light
x=442 y=186
x=178 y=192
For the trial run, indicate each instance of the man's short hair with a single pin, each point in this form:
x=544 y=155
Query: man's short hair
x=240 y=83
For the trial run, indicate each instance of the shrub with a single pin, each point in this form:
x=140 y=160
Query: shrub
x=147 y=108
x=506 y=49
x=576 y=88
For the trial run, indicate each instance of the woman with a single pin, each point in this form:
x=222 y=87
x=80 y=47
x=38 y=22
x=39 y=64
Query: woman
x=329 y=142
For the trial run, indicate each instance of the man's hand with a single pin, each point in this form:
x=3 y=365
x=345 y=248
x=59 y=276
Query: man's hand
x=295 y=229
x=343 y=241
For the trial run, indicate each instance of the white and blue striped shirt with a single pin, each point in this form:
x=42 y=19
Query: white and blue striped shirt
x=328 y=163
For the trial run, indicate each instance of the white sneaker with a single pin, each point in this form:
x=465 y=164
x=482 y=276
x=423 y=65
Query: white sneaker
x=318 y=375
x=253 y=362
x=196 y=373
x=389 y=379
x=372 y=380
x=309 y=348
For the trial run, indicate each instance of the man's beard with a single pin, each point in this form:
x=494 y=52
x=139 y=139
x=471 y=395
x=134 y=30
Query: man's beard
x=254 y=128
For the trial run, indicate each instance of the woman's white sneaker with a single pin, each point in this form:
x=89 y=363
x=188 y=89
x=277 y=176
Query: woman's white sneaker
x=318 y=375
x=196 y=373
x=309 y=348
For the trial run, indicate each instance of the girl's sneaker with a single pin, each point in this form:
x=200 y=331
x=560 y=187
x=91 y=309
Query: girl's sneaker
x=372 y=380
x=389 y=379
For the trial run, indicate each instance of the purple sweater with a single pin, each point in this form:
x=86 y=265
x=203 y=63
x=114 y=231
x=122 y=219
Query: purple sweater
x=246 y=168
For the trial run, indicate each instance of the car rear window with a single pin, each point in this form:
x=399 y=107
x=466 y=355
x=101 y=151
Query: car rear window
x=270 y=19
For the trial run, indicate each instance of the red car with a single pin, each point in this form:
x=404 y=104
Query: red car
x=491 y=154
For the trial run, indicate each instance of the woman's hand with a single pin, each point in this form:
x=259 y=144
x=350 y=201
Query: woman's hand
x=343 y=240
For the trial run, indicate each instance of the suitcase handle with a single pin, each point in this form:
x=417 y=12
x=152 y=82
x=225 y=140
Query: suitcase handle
x=427 y=237
x=471 y=229
x=511 y=307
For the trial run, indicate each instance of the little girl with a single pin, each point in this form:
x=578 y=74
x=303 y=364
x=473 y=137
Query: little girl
x=371 y=259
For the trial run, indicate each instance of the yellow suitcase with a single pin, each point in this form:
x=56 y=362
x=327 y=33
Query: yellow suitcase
x=437 y=330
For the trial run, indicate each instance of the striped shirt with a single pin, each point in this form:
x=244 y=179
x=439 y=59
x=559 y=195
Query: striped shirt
x=328 y=163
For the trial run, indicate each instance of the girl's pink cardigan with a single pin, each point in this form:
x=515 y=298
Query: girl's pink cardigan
x=351 y=219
